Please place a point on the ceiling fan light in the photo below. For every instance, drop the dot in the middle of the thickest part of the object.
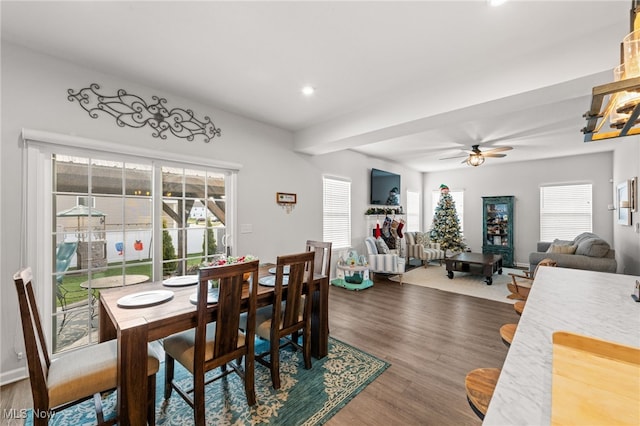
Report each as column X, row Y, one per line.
column 475, row 160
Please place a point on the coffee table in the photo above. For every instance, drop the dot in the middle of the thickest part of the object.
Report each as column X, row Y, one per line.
column 475, row 263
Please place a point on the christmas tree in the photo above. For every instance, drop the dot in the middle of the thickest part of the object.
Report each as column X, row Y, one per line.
column 446, row 226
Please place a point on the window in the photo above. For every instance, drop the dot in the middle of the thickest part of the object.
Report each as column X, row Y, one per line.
column 106, row 220
column 565, row 211
column 413, row 211
column 336, row 212
column 458, row 199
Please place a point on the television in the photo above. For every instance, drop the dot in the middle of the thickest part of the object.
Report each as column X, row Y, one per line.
column 385, row 188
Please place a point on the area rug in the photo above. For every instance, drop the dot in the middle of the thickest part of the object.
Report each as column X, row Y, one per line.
column 435, row 276
column 306, row 397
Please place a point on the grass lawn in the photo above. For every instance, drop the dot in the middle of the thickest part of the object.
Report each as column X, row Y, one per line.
column 71, row 283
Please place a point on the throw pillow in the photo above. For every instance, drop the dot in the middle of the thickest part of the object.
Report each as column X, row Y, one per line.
column 563, row 249
column 593, row 247
column 558, row 242
column 422, row 238
column 383, row 248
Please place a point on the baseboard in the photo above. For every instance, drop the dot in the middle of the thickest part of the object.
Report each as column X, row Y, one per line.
column 13, row 376
column 524, row 266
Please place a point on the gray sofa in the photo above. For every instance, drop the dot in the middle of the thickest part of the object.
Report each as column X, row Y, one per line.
column 586, row 251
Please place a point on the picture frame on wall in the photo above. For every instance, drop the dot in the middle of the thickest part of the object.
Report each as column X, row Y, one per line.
column 623, row 204
column 286, row 198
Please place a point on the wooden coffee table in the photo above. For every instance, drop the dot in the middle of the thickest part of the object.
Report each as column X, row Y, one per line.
column 475, row 263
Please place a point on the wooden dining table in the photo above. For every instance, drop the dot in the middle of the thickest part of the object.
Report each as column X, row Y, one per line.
column 135, row 327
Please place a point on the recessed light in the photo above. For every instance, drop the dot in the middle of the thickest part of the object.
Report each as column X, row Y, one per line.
column 308, row 90
column 496, row 2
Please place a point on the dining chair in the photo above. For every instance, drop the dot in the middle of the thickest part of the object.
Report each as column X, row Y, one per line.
column 292, row 311
column 216, row 344
column 73, row 377
column 322, row 258
column 520, row 285
column 320, row 323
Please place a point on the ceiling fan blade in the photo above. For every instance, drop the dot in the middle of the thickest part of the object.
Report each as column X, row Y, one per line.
column 492, row 155
column 498, row 149
column 456, row 156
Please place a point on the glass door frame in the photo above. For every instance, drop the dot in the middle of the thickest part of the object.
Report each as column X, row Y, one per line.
column 36, row 229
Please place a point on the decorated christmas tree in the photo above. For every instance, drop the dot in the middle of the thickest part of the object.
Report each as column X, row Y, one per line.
column 446, row 226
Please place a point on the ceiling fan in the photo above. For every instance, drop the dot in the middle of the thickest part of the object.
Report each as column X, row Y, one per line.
column 476, row 157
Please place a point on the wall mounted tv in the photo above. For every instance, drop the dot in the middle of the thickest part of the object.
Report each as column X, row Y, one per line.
column 385, row 188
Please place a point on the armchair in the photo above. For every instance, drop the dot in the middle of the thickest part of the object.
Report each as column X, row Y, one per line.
column 420, row 247
column 383, row 261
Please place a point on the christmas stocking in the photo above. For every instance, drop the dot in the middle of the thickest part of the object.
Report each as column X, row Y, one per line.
column 378, row 233
column 386, row 227
column 394, row 228
column 399, row 230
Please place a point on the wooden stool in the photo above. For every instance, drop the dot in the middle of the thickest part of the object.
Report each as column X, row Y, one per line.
column 519, row 307
column 507, row 332
column 480, row 384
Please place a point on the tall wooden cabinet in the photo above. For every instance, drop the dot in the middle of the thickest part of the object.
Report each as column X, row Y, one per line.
column 497, row 227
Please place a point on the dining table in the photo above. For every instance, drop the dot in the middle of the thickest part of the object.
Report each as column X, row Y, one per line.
column 134, row 327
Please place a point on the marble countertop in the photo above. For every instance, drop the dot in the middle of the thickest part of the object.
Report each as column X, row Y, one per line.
column 594, row 304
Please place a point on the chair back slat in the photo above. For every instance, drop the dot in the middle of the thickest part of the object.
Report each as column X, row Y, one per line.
column 322, row 260
column 230, row 306
column 34, row 340
column 301, row 269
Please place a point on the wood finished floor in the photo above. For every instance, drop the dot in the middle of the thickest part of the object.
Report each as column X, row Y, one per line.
column 431, row 339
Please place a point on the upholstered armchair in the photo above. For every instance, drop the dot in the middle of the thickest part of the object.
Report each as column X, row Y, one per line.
column 382, row 260
column 420, row 247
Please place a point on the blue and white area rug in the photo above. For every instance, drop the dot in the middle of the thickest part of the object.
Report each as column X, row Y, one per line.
column 306, row 397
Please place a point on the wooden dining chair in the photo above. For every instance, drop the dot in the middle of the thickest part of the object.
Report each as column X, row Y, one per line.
column 216, row 344
column 73, row 377
column 292, row 311
column 320, row 323
column 520, row 285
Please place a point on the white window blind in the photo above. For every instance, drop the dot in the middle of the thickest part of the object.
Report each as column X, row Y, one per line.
column 458, row 199
column 336, row 212
column 565, row 211
column 413, row 211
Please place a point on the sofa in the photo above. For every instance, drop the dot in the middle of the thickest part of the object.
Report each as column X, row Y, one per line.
column 419, row 246
column 586, row 251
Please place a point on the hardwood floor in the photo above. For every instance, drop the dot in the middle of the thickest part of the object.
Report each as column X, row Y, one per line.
column 431, row 338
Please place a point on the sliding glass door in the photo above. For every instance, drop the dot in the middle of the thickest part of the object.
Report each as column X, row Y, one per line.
column 122, row 223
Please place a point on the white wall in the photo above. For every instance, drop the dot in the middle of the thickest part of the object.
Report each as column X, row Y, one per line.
column 34, row 96
column 523, row 180
column 626, row 160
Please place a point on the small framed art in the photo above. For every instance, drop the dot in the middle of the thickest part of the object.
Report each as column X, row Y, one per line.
column 286, row 198
column 624, row 210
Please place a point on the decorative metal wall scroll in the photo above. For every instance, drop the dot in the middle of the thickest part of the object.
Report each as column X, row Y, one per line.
column 133, row 111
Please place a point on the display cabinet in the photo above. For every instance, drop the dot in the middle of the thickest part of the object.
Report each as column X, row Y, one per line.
column 497, row 227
